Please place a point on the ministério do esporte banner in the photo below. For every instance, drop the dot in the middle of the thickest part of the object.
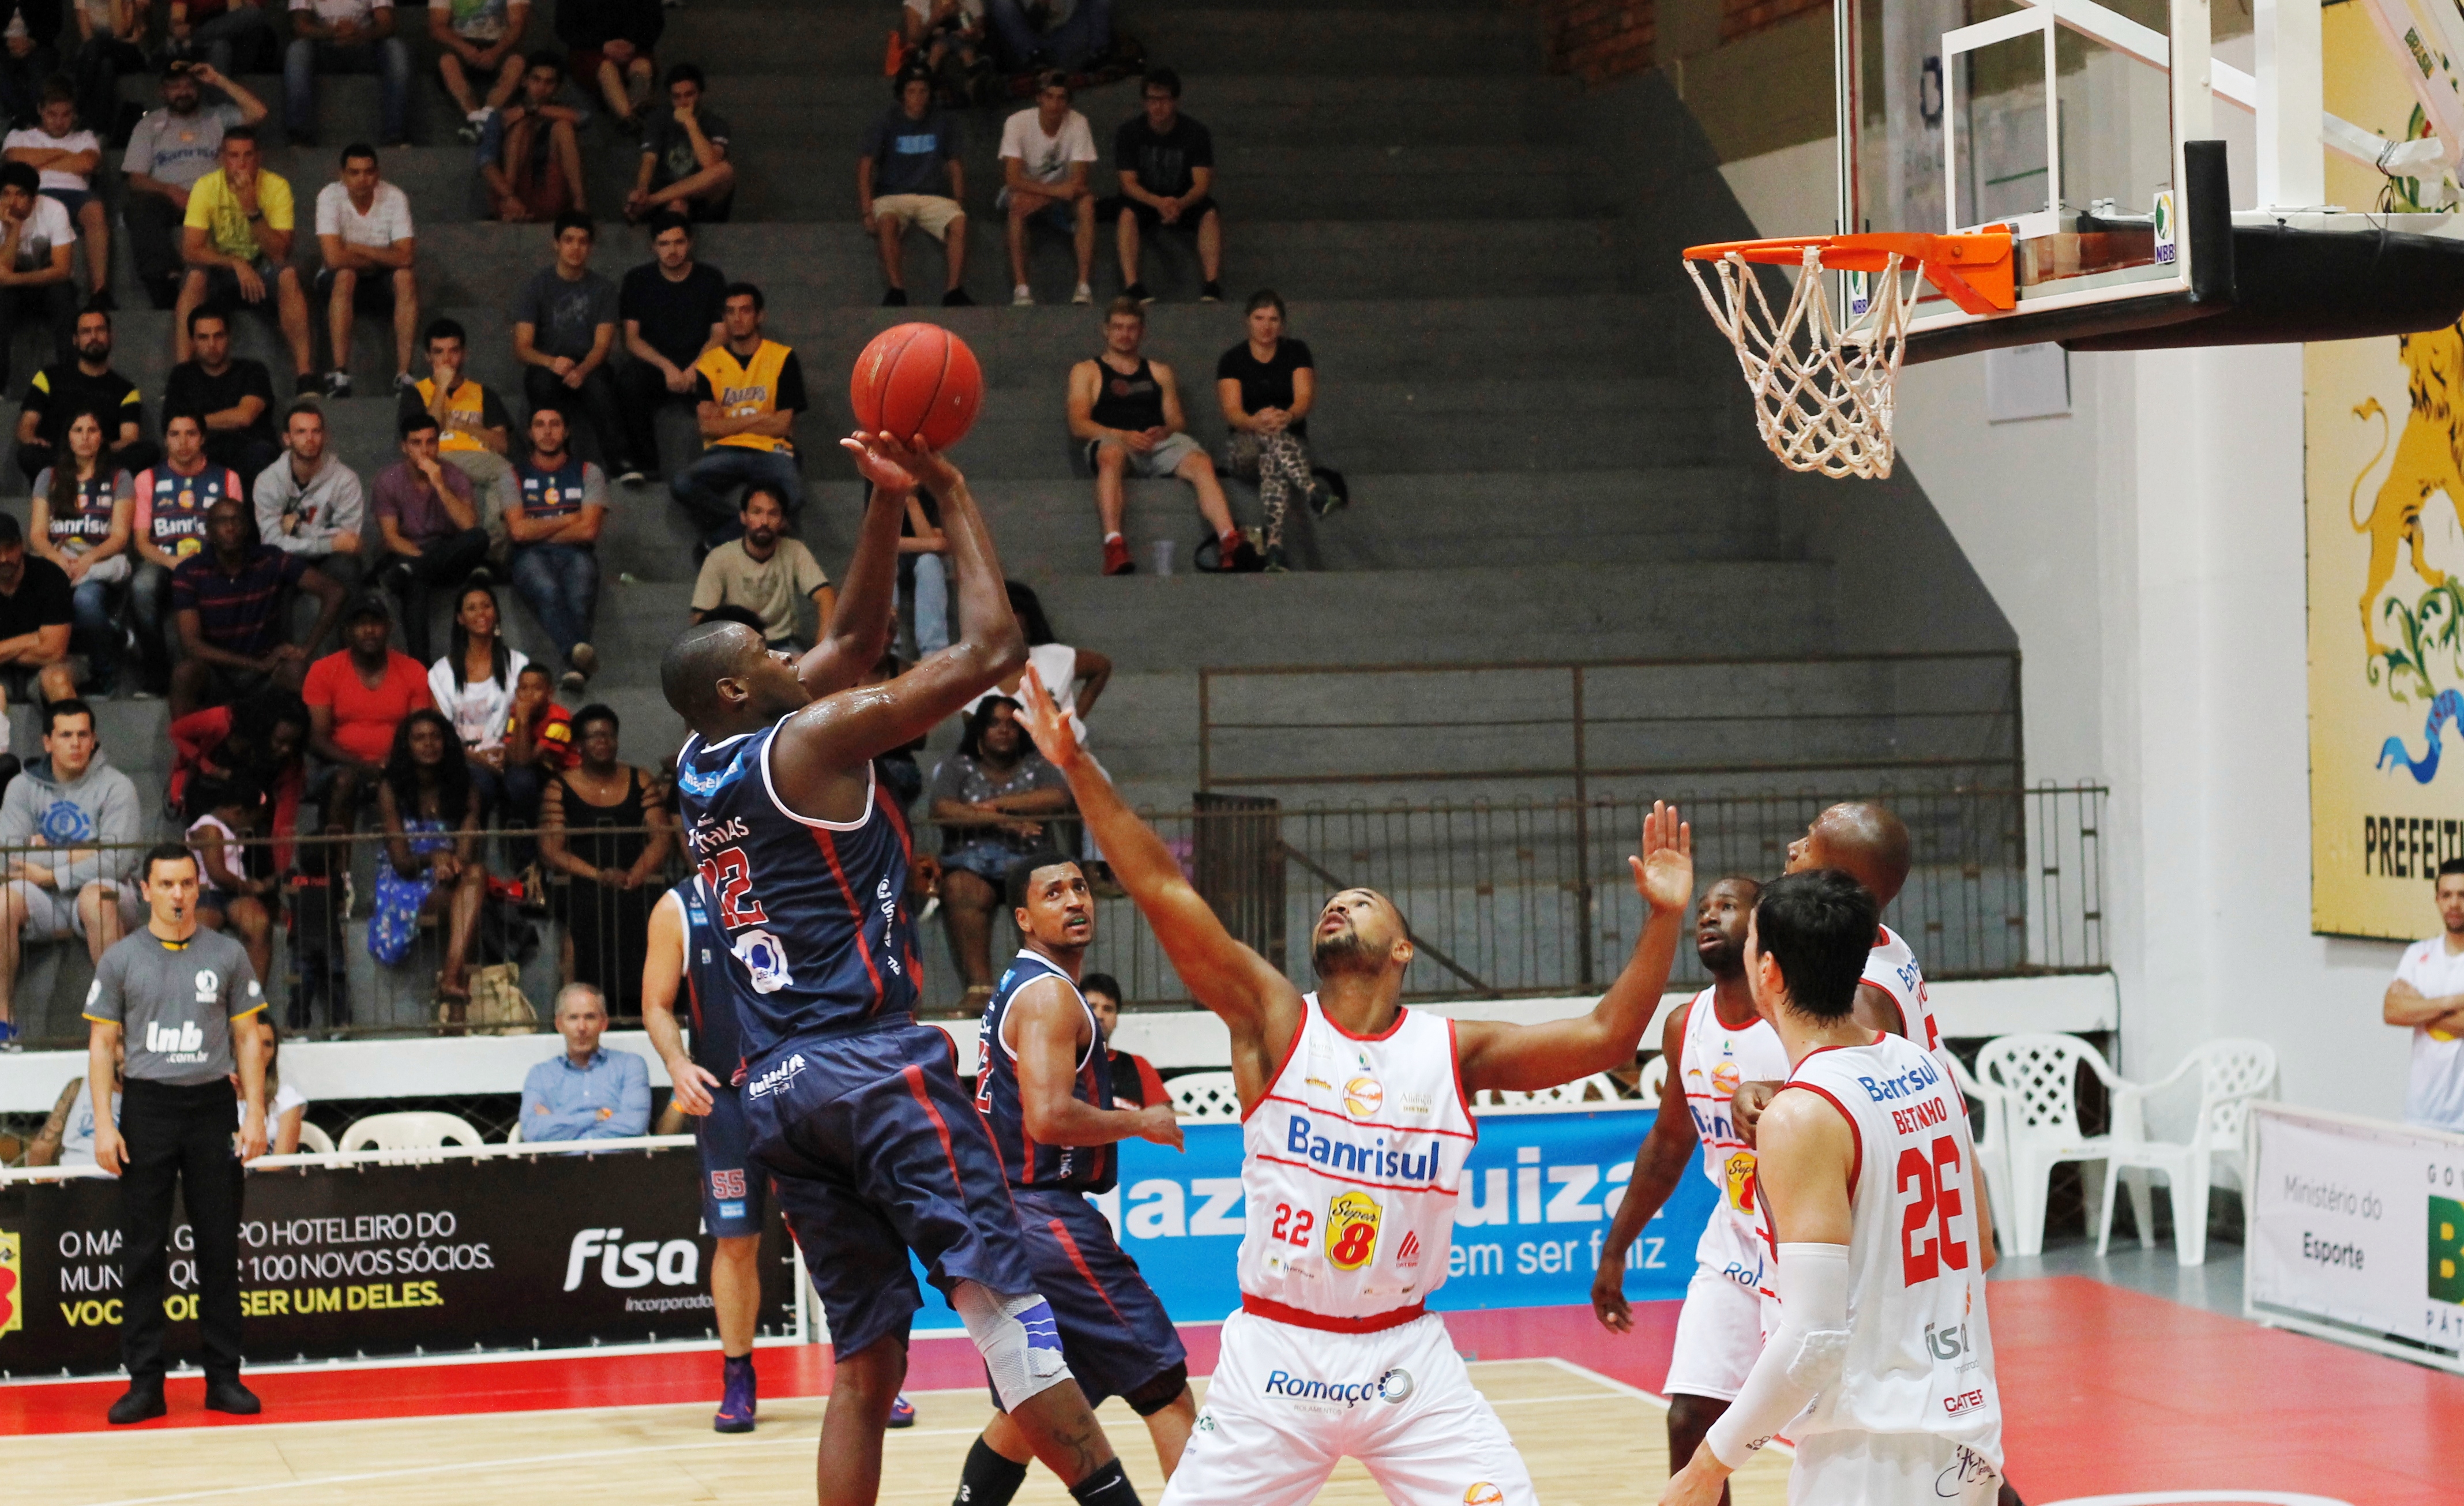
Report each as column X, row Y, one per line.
column 554, row 1251
column 1538, row 1193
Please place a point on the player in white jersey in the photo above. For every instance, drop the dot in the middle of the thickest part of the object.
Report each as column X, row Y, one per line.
column 1881, row 1367
column 1355, row 1125
column 1713, row 1044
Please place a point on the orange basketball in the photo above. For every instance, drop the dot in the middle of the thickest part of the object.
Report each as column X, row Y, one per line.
column 918, row 379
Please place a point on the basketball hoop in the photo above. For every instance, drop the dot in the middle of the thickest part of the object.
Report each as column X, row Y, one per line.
column 1823, row 390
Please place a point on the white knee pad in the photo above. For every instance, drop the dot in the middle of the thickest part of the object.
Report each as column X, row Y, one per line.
column 1020, row 1342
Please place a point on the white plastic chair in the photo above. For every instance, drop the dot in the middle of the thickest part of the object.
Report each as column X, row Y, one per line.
column 1205, row 1098
column 409, row 1131
column 2037, row 1078
column 2232, row 1074
column 312, row 1139
column 1567, row 1094
column 514, row 1135
column 1992, row 1161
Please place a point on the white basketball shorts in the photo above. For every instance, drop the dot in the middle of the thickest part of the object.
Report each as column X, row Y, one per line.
column 1719, row 1336
column 1286, row 1402
column 1889, row 1468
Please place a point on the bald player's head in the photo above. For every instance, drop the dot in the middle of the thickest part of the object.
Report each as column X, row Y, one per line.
column 723, row 680
column 1861, row 839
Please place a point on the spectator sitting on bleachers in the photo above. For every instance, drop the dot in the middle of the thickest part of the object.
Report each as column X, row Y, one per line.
column 565, row 334
column 950, row 35
column 36, row 282
column 345, row 37
column 674, row 310
column 1134, row 1080
column 924, row 553
column 430, row 518
column 111, row 41
column 309, row 504
column 990, row 799
column 286, row 1107
column 71, row 800
column 64, row 155
column 370, row 248
column 262, row 739
column 602, row 824
column 213, row 28
column 898, row 182
column 475, row 430
column 70, row 387
column 83, row 514
column 747, row 391
column 613, row 44
column 473, row 684
column 168, row 151
column 429, row 810
column 1167, row 166
column 530, row 152
column 1074, row 677
column 554, row 530
column 590, row 1092
column 67, row 1138
column 356, row 699
column 30, row 54
column 237, row 241
column 478, row 39
column 223, row 814
column 1031, row 38
column 232, row 601
column 538, row 742
column 1045, row 154
column 763, row 571
column 684, row 157
column 172, row 500
column 35, row 611
column 1266, row 386
column 234, row 395
column 1126, row 409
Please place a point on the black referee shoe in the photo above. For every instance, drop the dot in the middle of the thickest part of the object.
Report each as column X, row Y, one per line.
column 225, row 1394
column 144, row 1402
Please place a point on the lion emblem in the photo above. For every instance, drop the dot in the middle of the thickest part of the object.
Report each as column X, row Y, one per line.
column 2426, row 457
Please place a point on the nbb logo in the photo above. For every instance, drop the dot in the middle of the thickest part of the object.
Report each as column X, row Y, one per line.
column 12, row 1285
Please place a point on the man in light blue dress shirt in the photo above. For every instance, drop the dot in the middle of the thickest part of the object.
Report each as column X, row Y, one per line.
column 588, row 1093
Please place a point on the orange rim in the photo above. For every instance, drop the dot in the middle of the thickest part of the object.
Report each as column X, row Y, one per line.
column 1976, row 271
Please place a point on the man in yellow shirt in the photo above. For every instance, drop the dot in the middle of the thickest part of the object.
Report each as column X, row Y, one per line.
column 747, row 393
column 237, row 241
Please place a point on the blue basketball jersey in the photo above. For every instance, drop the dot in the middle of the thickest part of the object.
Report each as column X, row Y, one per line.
column 1086, row 1168
column 717, row 1029
column 814, row 913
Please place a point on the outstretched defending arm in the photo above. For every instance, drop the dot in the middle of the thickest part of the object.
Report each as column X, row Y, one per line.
column 858, row 631
column 832, row 740
column 1529, row 1057
column 1259, row 1003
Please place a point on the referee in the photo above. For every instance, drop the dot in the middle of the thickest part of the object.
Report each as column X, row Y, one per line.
column 185, row 999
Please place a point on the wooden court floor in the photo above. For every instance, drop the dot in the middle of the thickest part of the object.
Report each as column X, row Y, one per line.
column 1588, row 1440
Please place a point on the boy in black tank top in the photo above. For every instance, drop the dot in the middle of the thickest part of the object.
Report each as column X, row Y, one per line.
column 1126, row 409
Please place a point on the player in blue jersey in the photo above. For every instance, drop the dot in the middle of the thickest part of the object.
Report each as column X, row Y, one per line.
column 1044, row 1088
column 684, row 949
column 855, row 1109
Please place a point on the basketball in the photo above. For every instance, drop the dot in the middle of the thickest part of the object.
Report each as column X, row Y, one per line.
column 918, row 379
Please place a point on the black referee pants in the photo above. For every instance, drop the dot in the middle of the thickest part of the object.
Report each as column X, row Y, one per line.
column 179, row 1138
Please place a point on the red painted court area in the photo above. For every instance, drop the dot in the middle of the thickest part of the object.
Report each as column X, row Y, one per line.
column 2107, row 1391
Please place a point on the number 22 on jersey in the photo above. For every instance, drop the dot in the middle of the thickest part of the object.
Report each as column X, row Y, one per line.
column 730, row 878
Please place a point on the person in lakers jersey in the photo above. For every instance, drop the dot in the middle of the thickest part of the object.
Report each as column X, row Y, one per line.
column 853, row 1107
column 1355, row 1127
column 1881, row 1366
column 1045, row 1091
column 747, row 391
column 1713, row 1045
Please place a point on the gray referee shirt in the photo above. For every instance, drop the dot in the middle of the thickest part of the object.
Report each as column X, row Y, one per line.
column 174, row 1002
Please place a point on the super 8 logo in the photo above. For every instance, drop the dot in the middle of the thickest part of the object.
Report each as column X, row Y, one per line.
column 12, row 1285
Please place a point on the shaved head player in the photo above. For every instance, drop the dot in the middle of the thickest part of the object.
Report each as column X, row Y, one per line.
column 853, row 1108
column 1355, row 1130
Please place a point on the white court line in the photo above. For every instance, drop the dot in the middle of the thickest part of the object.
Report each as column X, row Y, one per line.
column 1661, row 1401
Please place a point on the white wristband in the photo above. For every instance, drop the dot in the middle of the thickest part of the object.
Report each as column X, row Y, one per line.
column 1796, row 1361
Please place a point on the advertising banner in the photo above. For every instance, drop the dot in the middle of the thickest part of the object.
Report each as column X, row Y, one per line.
column 2385, row 441
column 2357, row 1233
column 545, row 1251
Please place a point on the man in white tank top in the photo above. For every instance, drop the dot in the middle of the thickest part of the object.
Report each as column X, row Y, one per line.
column 1713, row 1044
column 1881, row 1368
column 1356, row 1125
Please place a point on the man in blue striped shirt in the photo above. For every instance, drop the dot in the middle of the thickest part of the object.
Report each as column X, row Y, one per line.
column 232, row 604
column 589, row 1092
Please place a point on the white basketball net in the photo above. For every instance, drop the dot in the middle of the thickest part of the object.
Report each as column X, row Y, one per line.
column 1822, row 391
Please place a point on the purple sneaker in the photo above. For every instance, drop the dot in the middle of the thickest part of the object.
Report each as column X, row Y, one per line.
column 902, row 1414
column 736, row 1404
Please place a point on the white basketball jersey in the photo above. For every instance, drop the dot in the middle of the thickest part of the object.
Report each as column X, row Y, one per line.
column 1919, row 1354
column 1713, row 1061
column 1350, row 1168
column 1892, row 968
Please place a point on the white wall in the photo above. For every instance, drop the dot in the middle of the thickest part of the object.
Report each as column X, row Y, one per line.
column 2148, row 550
